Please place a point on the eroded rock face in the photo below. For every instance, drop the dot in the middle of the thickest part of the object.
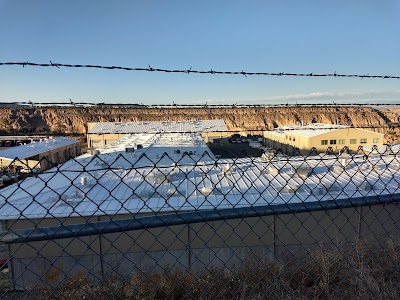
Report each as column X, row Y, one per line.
column 74, row 120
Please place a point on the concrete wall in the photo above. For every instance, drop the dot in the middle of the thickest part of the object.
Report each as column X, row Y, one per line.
column 194, row 246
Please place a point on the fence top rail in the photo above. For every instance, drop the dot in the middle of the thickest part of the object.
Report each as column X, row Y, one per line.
column 184, row 218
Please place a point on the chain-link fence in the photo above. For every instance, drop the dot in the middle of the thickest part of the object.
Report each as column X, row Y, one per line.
column 196, row 221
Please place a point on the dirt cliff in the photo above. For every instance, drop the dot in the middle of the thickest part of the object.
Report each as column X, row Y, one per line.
column 75, row 119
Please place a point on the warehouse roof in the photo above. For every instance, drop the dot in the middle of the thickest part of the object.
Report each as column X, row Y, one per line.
column 177, row 172
column 35, row 148
column 309, row 130
column 146, row 127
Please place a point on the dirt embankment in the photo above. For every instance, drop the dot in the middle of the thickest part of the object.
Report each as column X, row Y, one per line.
column 74, row 120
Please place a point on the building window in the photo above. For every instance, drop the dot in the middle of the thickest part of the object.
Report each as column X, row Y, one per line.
column 290, row 138
column 376, row 140
column 342, row 142
column 353, row 141
column 294, row 139
column 332, row 142
column 324, row 142
column 363, row 141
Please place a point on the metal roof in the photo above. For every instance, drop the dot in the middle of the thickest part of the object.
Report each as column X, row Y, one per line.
column 35, row 148
column 309, row 130
column 146, row 127
column 157, row 178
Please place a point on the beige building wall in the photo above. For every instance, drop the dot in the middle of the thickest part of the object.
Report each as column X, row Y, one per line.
column 352, row 138
column 46, row 158
column 24, row 163
column 100, row 140
column 90, row 125
column 209, row 137
column 283, row 143
column 59, row 155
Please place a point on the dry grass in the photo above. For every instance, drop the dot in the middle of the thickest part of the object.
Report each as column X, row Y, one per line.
column 362, row 271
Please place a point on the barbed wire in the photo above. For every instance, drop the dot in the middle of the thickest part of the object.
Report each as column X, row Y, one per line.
column 177, row 105
column 292, row 127
column 193, row 71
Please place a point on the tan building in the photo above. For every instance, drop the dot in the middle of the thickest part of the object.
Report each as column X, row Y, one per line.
column 290, row 139
column 41, row 155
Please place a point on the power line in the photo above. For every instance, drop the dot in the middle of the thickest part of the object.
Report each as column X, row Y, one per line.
column 192, row 71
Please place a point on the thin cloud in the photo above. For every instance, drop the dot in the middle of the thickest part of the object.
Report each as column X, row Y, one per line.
column 314, row 97
column 340, row 97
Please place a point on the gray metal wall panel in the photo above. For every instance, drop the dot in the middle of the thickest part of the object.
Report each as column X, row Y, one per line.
column 195, row 246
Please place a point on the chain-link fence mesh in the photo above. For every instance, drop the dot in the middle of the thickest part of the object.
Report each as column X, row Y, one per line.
column 202, row 222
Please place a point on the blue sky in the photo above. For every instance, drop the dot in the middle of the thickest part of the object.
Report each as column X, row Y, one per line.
column 356, row 37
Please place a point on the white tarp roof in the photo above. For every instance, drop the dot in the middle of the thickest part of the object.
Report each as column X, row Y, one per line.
column 35, row 148
column 147, row 127
column 156, row 178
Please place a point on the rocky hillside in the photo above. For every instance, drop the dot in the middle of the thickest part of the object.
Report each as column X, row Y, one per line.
column 74, row 120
